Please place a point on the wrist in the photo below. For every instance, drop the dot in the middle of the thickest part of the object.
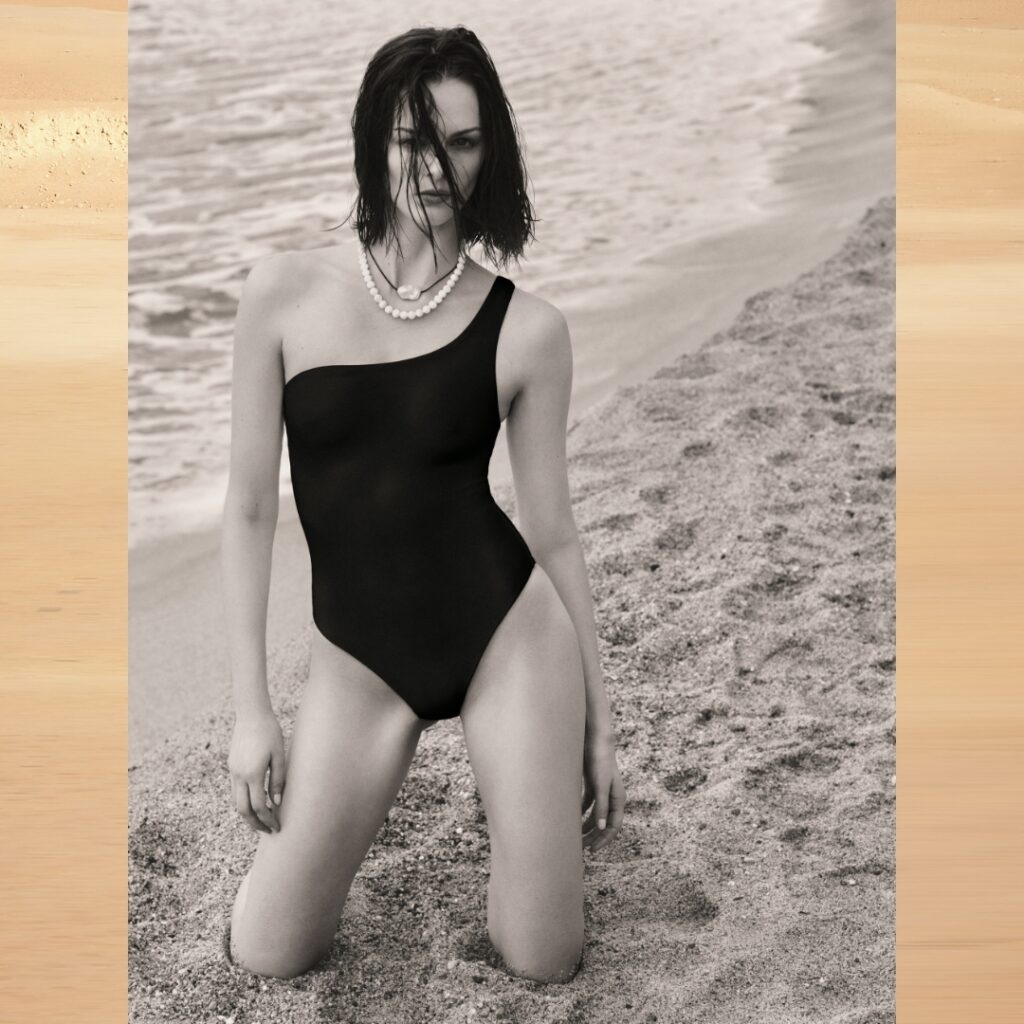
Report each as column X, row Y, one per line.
column 598, row 730
column 253, row 712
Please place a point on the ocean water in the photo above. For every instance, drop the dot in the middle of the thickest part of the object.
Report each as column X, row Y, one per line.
column 643, row 126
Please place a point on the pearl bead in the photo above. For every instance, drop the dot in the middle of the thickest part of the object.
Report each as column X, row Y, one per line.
column 409, row 314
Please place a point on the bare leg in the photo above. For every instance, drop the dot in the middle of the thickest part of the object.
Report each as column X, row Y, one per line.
column 524, row 719
column 350, row 750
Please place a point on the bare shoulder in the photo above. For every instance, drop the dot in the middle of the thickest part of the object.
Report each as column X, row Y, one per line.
column 276, row 281
column 269, row 288
column 538, row 335
column 284, row 273
column 270, row 281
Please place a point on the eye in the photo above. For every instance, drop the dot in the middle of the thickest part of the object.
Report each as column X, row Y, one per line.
column 469, row 143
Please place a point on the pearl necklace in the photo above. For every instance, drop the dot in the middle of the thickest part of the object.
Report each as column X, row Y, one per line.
column 409, row 314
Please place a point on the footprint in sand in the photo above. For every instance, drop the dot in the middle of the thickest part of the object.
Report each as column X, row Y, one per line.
column 686, row 780
column 856, row 598
column 697, row 449
column 844, row 418
column 748, row 601
column 656, row 495
column 615, row 564
column 761, row 416
column 788, row 766
column 658, row 893
column 678, row 536
column 616, row 521
column 691, row 366
column 663, row 412
column 795, row 834
column 826, row 392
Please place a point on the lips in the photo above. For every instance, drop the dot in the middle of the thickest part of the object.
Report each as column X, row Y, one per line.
column 433, row 194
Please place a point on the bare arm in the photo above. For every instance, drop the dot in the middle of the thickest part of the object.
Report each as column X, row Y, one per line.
column 537, row 441
column 251, row 503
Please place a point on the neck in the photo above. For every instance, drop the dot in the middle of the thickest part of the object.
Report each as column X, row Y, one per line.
column 415, row 265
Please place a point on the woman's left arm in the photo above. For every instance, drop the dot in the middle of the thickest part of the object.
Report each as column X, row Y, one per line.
column 537, row 426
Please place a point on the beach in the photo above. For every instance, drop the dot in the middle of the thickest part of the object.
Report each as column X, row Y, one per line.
column 736, row 510
column 733, row 479
column 732, row 469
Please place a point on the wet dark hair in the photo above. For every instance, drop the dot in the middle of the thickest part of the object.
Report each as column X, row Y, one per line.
column 498, row 213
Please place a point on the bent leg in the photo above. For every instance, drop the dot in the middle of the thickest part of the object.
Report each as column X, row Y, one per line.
column 350, row 751
column 523, row 720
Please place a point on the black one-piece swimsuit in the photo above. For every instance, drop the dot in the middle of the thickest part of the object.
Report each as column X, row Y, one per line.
column 414, row 564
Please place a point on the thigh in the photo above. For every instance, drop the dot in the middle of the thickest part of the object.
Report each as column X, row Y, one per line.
column 523, row 720
column 349, row 753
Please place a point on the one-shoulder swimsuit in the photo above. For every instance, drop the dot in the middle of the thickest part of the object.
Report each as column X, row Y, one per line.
column 414, row 565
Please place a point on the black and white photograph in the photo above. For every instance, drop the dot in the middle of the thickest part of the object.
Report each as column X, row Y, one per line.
column 511, row 512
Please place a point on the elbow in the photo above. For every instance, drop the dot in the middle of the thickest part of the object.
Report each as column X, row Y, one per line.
column 251, row 505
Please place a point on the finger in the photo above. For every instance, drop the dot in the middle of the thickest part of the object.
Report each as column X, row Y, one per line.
column 258, row 800
column 588, row 825
column 616, row 803
column 590, row 830
column 588, row 796
column 244, row 807
column 601, row 805
column 267, row 803
column 616, row 811
column 277, row 775
column 604, row 838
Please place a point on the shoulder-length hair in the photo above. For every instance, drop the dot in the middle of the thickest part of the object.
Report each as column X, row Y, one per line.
column 498, row 213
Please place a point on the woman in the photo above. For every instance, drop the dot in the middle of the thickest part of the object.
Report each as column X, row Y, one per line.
column 427, row 602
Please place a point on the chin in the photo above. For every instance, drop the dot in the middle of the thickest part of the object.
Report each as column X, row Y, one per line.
column 436, row 217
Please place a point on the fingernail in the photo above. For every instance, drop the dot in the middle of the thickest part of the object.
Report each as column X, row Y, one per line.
column 600, row 823
column 277, row 798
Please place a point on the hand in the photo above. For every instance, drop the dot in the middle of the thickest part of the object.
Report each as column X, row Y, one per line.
column 257, row 744
column 603, row 787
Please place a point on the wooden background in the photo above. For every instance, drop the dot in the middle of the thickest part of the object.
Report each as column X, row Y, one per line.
column 960, row 532
column 960, row 544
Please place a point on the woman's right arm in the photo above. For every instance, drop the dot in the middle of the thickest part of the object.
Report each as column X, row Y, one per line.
column 248, row 525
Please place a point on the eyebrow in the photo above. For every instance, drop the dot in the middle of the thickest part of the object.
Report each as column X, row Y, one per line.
column 454, row 135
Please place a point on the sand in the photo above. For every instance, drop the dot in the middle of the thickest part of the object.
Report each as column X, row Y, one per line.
column 737, row 514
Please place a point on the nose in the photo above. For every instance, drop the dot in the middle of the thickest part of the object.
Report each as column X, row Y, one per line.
column 432, row 165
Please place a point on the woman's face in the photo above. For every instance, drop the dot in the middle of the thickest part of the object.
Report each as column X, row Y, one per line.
column 458, row 113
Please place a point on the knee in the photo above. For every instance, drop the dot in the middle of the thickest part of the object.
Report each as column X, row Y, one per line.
column 552, row 966
column 552, row 956
column 289, row 952
column 272, row 963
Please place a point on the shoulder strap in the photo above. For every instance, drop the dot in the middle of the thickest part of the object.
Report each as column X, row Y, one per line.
column 494, row 314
